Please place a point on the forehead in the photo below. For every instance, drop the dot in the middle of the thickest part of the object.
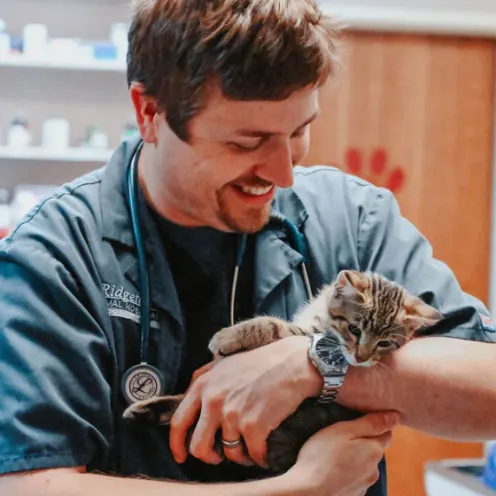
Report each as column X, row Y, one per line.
column 222, row 115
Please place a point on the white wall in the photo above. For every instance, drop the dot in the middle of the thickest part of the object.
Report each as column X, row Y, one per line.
column 457, row 17
column 481, row 6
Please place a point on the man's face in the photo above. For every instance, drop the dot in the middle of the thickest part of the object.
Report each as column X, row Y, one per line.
column 238, row 153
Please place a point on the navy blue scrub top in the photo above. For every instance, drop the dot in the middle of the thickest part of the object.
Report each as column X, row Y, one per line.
column 70, row 303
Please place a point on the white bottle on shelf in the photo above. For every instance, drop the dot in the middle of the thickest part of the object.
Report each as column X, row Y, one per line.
column 35, row 40
column 56, row 134
column 5, row 213
column 19, row 135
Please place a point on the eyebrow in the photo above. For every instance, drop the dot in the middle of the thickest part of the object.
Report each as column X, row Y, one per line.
column 267, row 134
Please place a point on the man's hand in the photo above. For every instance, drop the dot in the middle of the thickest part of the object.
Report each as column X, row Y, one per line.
column 342, row 460
column 246, row 396
column 338, row 461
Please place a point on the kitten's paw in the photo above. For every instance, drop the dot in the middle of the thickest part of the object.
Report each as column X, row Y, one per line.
column 251, row 334
column 158, row 410
column 224, row 342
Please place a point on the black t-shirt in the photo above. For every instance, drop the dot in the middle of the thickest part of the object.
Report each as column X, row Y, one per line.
column 202, row 262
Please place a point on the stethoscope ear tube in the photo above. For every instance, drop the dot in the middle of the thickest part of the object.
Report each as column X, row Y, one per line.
column 143, row 381
column 140, row 250
column 297, row 242
column 241, row 242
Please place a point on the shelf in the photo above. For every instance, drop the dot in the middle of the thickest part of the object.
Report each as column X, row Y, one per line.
column 83, row 155
column 94, row 66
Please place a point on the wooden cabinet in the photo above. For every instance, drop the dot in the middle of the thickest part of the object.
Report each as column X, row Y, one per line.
column 415, row 114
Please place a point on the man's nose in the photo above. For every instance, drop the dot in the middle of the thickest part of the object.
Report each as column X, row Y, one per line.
column 277, row 166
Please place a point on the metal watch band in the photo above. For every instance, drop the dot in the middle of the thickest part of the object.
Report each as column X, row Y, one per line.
column 333, row 371
column 330, row 391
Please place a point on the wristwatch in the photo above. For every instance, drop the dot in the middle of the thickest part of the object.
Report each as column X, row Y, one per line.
column 325, row 353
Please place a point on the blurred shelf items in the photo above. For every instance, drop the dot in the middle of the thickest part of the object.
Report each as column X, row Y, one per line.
column 36, row 48
column 62, row 112
column 16, row 204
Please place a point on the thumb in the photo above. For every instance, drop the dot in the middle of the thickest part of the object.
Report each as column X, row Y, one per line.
column 372, row 424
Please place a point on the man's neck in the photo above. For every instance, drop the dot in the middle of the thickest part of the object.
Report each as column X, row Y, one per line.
column 170, row 214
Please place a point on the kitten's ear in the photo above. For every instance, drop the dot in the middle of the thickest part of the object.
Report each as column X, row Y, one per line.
column 351, row 283
column 419, row 314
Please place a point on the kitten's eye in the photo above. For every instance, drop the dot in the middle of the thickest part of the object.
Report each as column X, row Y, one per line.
column 384, row 344
column 353, row 329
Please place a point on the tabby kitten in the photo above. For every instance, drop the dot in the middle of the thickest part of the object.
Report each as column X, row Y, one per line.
column 369, row 316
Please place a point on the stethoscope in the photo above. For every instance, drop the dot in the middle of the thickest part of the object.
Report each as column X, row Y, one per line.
column 144, row 381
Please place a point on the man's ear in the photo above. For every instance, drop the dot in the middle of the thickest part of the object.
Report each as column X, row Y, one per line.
column 146, row 111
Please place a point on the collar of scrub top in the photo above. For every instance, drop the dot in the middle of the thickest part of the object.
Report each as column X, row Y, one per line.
column 297, row 242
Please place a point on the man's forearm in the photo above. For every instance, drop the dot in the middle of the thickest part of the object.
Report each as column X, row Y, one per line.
column 69, row 483
column 443, row 386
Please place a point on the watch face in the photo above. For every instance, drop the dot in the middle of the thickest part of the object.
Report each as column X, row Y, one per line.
column 328, row 349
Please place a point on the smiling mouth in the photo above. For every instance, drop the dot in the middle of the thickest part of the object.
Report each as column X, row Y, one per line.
column 255, row 191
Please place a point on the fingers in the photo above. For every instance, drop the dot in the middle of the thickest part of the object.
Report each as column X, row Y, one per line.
column 372, row 479
column 256, row 444
column 371, row 425
column 202, row 445
column 185, row 416
column 385, row 439
column 237, row 453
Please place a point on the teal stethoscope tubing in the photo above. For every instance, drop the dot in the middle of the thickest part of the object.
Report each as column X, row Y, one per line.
column 295, row 237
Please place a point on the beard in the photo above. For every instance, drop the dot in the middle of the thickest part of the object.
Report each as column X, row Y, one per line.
column 248, row 222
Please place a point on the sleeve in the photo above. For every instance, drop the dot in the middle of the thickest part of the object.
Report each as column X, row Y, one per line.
column 55, row 399
column 390, row 245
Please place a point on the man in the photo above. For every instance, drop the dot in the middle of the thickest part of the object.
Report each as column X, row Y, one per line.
column 224, row 93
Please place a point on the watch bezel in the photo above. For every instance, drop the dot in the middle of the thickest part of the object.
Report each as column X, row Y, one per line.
column 334, row 366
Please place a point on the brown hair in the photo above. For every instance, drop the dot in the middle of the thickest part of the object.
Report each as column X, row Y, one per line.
column 254, row 49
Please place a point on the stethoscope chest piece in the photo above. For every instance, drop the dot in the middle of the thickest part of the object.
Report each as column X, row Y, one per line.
column 142, row 382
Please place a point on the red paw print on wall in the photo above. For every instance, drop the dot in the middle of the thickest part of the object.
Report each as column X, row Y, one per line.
column 376, row 169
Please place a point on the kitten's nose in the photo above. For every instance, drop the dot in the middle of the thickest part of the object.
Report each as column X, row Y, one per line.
column 360, row 359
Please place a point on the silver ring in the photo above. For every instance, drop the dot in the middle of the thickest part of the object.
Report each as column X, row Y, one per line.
column 231, row 444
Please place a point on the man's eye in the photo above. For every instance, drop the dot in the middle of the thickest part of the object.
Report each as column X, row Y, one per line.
column 301, row 132
column 246, row 146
